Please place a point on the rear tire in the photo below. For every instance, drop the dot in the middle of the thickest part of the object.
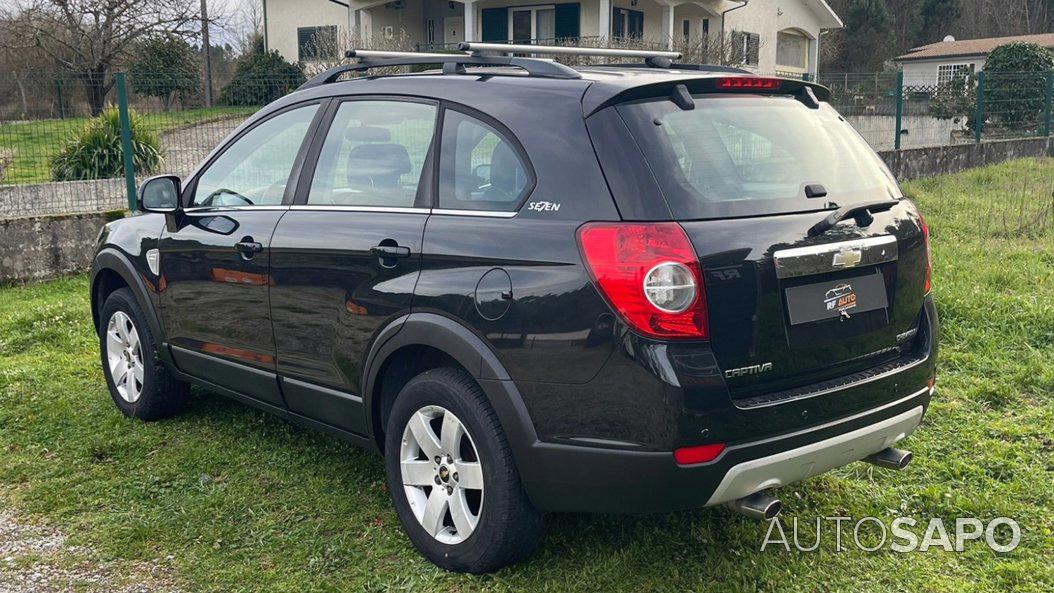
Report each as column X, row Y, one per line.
column 478, row 521
column 139, row 383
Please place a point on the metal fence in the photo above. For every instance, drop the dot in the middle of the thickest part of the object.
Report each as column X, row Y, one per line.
column 56, row 157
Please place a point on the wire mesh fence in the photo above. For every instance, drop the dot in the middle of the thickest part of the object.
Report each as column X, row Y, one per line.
column 61, row 149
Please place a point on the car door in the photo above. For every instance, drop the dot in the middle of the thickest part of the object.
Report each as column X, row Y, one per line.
column 345, row 259
column 215, row 258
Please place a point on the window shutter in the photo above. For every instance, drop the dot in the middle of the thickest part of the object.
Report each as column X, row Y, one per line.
column 305, row 49
column 567, row 20
column 495, row 24
column 753, row 45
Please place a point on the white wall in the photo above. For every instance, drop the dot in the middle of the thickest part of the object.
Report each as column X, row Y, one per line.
column 924, row 72
column 767, row 17
column 285, row 16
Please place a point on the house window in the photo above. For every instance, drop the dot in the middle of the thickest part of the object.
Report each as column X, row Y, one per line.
column 947, row 72
column 627, row 23
column 430, row 31
column 745, row 47
column 686, row 30
column 792, row 50
column 316, row 43
column 706, row 29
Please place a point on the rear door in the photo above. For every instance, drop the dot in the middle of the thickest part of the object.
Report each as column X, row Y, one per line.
column 346, row 257
column 787, row 308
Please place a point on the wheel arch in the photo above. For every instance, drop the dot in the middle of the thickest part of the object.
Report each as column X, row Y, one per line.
column 440, row 341
column 113, row 270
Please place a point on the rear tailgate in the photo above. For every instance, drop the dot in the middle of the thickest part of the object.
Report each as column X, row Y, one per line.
column 788, row 310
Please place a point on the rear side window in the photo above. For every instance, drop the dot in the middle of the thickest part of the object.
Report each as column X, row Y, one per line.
column 479, row 168
column 753, row 155
column 373, row 155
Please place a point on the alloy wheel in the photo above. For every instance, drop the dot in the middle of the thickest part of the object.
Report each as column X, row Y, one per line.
column 441, row 474
column 124, row 356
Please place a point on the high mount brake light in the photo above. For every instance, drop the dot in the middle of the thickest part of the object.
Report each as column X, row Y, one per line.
column 928, row 284
column 649, row 274
column 747, row 83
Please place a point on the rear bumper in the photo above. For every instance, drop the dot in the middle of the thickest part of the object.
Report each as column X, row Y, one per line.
column 573, row 478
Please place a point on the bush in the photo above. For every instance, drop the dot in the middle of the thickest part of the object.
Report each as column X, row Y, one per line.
column 1016, row 81
column 165, row 66
column 261, row 77
column 95, row 152
column 6, row 158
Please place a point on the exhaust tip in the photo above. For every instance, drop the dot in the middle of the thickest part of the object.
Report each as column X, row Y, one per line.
column 757, row 506
column 890, row 458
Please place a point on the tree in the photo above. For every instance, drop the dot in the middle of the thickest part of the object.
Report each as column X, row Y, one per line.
column 164, row 66
column 1016, row 81
column 937, row 17
column 89, row 37
column 260, row 77
column 869, row 35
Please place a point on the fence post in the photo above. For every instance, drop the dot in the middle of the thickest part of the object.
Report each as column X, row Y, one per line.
column 1048, row 103
column 978, row 125
column 900, row 108
column 58, row 98
column 126, row 139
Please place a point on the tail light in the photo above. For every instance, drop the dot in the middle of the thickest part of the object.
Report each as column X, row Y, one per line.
column 748, row 83
column 649, row 274
column 929, row 256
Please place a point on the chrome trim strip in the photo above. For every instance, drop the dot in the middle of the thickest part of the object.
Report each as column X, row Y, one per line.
column 338, row 208
column 810, row 395
column 194, row 209
column 817, row 259
column 490, row 213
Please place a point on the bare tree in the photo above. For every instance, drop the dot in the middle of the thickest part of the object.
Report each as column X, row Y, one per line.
column 88, row 38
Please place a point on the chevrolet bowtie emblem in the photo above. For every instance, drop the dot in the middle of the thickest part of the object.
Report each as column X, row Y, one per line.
column 847, row 257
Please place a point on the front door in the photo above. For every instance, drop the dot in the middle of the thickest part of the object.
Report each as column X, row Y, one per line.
column 215, row 259
column 453, row 29
column 345, row 259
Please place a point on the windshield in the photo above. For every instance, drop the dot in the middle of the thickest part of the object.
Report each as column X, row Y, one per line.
column 752, row 155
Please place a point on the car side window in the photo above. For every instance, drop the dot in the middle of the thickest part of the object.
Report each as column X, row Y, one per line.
column 373, row 154
column 478, row 168
column 254, row 170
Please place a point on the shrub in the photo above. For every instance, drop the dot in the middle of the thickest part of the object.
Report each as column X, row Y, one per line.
column 6, row 158
column 164, row 66
column 261, row 77
column 95, row 152
column 1015, row 82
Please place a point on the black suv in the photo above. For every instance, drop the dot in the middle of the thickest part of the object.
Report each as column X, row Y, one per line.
column 626, row 288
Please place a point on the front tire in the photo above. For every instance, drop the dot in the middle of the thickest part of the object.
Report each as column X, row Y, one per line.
column 452, row 477
column 139, row 383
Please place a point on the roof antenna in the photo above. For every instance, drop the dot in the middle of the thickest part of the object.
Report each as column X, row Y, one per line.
column 682, row 98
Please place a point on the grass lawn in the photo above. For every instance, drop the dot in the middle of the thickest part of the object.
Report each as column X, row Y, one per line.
column 243, row 501
column 33, row 143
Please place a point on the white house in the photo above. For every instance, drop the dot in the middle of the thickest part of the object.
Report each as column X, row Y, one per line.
column 938, row 63
column 776, row 35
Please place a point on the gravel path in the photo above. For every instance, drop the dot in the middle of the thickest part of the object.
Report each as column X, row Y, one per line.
column 36, row 559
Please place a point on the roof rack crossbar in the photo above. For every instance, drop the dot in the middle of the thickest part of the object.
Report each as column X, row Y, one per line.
column 379, row 59
column 505, row 48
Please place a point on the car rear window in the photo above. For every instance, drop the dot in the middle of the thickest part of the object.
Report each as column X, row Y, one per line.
column 754, row 155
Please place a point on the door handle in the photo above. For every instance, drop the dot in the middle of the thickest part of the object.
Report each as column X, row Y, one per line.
column 248, row 248
column 390, row 251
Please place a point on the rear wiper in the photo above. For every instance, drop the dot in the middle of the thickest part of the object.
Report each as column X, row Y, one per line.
column 861, row 212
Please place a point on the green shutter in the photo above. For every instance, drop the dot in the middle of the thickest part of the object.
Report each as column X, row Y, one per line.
column 567, row 20
column 495, row 24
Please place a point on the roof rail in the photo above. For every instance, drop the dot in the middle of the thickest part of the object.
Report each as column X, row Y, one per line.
column 505, row 48
column 677, row 66
column 452, row 64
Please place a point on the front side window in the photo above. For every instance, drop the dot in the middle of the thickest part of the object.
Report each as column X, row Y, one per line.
column 479, row 168
column 254, row 170
column 373, row 155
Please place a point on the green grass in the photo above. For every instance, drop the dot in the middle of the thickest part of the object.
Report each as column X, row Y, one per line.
column 246, row 502
column 33, row 143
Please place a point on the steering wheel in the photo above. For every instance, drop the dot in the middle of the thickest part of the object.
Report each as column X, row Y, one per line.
column 223, row 191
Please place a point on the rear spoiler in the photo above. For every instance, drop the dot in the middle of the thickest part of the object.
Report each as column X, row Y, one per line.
column 727, row 83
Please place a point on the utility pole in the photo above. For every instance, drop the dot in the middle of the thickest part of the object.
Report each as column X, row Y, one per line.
column 207, row 58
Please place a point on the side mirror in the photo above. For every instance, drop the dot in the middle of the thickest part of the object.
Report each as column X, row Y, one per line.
column 160, row 194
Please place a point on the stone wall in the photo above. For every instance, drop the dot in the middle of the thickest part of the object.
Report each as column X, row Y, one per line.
column 44, row 247
column 939, row 160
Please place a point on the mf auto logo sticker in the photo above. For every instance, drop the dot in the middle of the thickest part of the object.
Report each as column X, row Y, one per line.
column 840, row 298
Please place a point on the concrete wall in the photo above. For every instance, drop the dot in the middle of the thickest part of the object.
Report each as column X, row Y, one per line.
column 48, row 246
column 938, row 160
